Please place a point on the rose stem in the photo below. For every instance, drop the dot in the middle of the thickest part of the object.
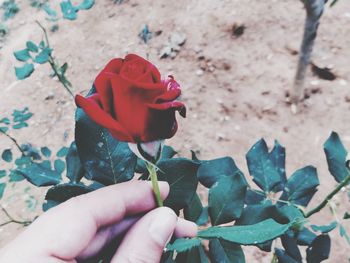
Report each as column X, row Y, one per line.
column 153, row 174
column 343, row 183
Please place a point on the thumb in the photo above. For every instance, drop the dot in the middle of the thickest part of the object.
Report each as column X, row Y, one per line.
column 146, row 240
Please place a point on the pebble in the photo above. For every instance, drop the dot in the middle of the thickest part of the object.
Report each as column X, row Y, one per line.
column 199, row 72
column 343, row 82
column 314, row 82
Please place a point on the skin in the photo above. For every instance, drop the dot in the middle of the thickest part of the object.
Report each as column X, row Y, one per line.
column 80, row 227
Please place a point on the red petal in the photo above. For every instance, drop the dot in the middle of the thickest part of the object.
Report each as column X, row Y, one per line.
column 168, row 96
column 92, row 108
column 176, row 105
column 114, row 65
column 104, row 90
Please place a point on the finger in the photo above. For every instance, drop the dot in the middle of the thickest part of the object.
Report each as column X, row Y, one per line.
column 83, row 215
column 105, row 236
column 146, row 240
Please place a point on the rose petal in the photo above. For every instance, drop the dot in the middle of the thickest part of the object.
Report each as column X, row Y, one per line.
column 114, row 66
column 92, row 108
column 168, row 96
column 104, row 89
column 150, row 75
column 176, row 105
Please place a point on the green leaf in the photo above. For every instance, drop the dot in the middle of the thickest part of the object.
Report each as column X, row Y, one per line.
column 59, row 166
column 283, row 256
column 22, row 55
column 23, row 160
column 301, row 186
column 346, row 215
column 86, row 4
column 25, row 71
column 21, row 116
column 222, row 251
column 336, row 157
column 15, row 176
column 319, row 249
column 68, row 10
column 10, row 9
column 2, row 173
column 20, row 125
column 2, row 189
column 43, row 56
column 45, row 151
column 7, row 155
column 39, row 175
column 211, row 171
column 105, row 159
column 4, row 129
column 324, row 229
column 62, row 192
column 183, row 244
column 32, row 46
column 5, row 121
column 226, row 199
column 62, row 152
column 180, row 173
column 203, row 219
column 247, row 235
column 75, row 171
column 305, row 237
column 267, row 169
column 195, row 255
column 290, row 245
column 52, row 13
column 343, row 233
column 194, row 209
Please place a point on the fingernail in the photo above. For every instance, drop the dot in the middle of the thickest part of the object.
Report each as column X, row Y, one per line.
column 162, row 225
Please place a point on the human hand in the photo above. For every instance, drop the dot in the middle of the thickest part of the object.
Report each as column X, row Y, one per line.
column 81, row 227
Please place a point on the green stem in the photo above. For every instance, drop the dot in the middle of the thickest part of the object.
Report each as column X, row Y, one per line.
column 13, row 140
column 12, row 220
column 343, row 183
column 53, row 64
column 153, row 174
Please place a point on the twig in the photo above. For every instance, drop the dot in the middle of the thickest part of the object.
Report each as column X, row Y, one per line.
column 12, row 220
column 53, row 63
column 343, row 183
column 13, row 140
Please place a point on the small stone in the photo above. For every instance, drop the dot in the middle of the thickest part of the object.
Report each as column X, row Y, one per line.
column 199, row 72
column 347, row 98
column 314, row 82
column 343, row 82
column 197, row 49
column 178, row 38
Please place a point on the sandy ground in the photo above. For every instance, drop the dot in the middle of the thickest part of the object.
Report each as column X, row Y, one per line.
column 234, row 88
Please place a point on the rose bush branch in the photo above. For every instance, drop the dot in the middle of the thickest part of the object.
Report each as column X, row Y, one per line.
column 13, row 140
column 12, row 220
column 57, row 69
column 329, row 197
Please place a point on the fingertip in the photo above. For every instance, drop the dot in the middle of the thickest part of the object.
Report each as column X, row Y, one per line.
column 185, row 228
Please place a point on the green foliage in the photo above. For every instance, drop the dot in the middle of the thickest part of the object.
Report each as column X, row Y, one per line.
column 226, row 199
column 25, row 71
column 70, row 11
column 104, row 159
column 211, row 171
column 319, row 249
column 247, row 235
column 184, row 244
column 2, row 189
column 336, row 157
column 38, row 3
column 45, row 151
column 40, row 175
column 22, row 55
column 10, row 9
column 267, row 168
column 222, row 251
column 301, row 186
column 196, row 254
column 7, row 155
column 324, row 229
column 180, row 173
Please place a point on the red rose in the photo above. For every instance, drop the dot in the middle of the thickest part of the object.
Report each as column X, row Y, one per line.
column 132, row 101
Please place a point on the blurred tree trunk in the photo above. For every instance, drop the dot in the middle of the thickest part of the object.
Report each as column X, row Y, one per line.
column 314, row 10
